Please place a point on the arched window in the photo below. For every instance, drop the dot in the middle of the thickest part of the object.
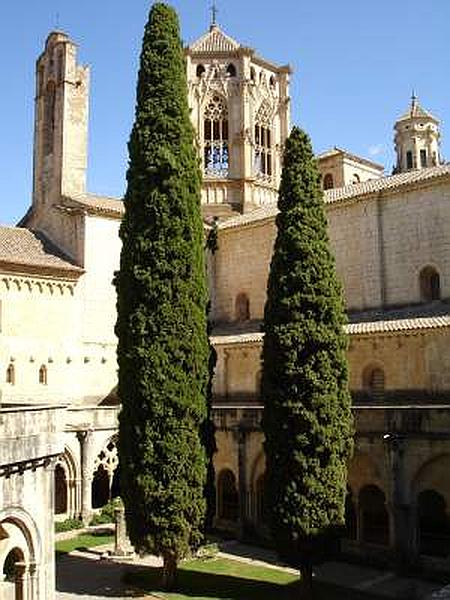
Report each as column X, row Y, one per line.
column 430, row 284
column 43, row 375
column 200, row 70
column 433, row 524
column 328, row 182
column 252, row 74
column 374, row 515
column 263, row 141
column 215, row 138
column 9, row 566
column 105, row 484
column 242, row 308
column 228, row 496
column 231, row 70
column 49, row 117
column 100, row 487
column 356, row 178
column 409, row 160
column 374, row 382
column 60, row 490
column 272, row 81
column 11, row 374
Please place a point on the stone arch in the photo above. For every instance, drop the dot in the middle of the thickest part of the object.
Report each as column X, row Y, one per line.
column 227, row 496
column 105, row 466
column 374, row 516
column 20, row 535
column 363, row 469
column 328, row 181
column 14, row 556
column 429, row 284
column 66, row 477
column 374, row 380
column 216, row 136
column 431, row 501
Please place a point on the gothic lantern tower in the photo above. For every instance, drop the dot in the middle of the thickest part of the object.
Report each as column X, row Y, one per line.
column 240, row 111
column 417, row 139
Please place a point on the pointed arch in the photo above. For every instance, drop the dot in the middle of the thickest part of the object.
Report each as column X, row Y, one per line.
column 216, row 161
column 263, row 141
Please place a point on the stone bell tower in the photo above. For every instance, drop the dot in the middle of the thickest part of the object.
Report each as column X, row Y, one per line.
column 61, row 123
column 240, row 109
column 417, row 139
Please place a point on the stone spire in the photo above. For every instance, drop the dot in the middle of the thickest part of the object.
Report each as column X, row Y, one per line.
column 417, row 138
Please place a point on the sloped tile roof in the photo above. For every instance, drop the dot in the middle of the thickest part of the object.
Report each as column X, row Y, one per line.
column 409, row 319
column 92, row 203
column 349, row 192
column 215, row 40
column 416, row 111
column 28, row 249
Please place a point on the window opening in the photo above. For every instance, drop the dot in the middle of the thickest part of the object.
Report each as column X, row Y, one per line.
column 231, row 70
column 49, row 117
column 43, row 375
column 423, row 158
column 263, row 141
column 228, row 496
column 242, row 308
column 430, row 284
column 200, row 70
column 215, row 135
column 328, row 182
column 10, row 374
column 409, row 160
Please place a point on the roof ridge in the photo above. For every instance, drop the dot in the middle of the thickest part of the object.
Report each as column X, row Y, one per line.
column 214, row 40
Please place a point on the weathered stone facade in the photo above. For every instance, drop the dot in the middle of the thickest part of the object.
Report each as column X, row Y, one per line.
column 388, row 234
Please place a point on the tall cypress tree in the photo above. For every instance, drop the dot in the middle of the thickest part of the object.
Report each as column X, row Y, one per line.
column 307, row 418
column 163, row 348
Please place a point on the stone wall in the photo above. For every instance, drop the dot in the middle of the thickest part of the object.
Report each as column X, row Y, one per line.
column 30, row 441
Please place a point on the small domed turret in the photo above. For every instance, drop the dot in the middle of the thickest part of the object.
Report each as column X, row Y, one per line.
column 417, row 139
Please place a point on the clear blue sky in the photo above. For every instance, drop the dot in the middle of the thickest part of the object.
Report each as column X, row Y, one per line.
column 355, row 63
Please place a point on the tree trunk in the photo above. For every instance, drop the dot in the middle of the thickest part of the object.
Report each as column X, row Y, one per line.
column 169, row 573
column 306, row 582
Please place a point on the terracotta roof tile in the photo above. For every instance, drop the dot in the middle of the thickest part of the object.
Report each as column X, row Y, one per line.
column 215, row 40
column 349, row 192
column 104, row 205
column 22, row 247
column 418, row 318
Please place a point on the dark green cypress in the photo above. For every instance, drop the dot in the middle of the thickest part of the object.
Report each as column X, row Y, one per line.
column 307, row 418
column 163, row 350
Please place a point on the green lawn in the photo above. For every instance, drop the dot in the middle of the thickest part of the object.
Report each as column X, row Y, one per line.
column 224, row 579
column 84, row 540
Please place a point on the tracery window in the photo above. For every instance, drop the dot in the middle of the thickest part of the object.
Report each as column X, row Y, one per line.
column 215, row 138
column 231, row 70
column 263, row 142
column 328, row 182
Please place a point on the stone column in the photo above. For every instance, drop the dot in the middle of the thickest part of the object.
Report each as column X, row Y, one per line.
column 401, row 510
column 122, row 546
column 33, row 581
column 243, row 495
column 85, row 439
column 20, row 581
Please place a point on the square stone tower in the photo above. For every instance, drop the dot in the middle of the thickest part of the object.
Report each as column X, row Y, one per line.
column 61, row 124
column 240, row 109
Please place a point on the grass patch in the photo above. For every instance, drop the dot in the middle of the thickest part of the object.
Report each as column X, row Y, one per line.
column 223, row 579
column 85, row 540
